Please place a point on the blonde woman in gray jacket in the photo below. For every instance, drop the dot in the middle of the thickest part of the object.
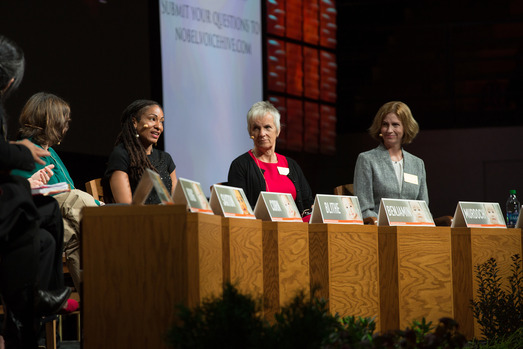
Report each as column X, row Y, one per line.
column 389, row 171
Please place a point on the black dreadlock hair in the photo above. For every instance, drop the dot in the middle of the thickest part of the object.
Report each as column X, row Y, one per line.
column 127, row 136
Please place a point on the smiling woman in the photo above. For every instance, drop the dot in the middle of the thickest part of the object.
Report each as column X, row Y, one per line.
column 389, row 171
column 142, row 125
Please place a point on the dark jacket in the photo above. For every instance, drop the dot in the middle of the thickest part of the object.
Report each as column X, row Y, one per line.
column 245, row 174
column 16, row 205
column 15, row 156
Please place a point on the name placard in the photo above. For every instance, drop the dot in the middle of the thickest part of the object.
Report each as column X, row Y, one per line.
column 478, row 215
column 395, row 212
column 190, row 193
column 336, row 209
column 276, row 207
column 230, row 202
column 151, row 179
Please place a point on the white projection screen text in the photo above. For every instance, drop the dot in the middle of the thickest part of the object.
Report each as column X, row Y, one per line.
column 211, row 55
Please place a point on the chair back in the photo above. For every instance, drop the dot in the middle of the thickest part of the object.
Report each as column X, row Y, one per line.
column 94, row 187
column 345, row 189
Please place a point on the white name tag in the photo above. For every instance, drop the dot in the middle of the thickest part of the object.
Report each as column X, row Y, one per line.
column 410, row 178
column 276, row 207
column 283, row 170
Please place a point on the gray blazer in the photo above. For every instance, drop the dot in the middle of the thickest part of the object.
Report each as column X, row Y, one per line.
column 374, row 179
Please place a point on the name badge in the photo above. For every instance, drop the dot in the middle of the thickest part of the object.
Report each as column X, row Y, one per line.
column 410, row 178
column 283, row 170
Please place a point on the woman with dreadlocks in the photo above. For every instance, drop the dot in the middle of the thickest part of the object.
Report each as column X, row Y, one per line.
column 142, row 125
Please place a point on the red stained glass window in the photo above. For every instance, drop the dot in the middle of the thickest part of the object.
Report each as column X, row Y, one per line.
column 280, row 104
column 294, row 69
column 312, row 127
column 301, row 72
column 328, row 76
column 294, row 19
column 311, row 22
column 328, row 129
column 276, row 65
column 294, row 124
column 312, row 73
column 276, row 17
column 328, row 23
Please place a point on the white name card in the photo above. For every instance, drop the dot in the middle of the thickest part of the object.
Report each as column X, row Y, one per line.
column 478, row 215
column 336, row 209
column 230, row 202
column 398, row 212
column 276, row 207
column 190, row 193
column 151, row 179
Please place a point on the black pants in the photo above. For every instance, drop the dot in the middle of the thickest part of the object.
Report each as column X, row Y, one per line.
column 52, row 223
column 31, row 258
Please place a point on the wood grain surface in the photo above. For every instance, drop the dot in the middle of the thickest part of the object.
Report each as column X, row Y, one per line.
column 344, row 264
column 140, row 262
column 243, row 254
column 497, row 243
column 130, row 259
column 204, row 249
column 424, row 274
column 471, row 247
column 285, row 263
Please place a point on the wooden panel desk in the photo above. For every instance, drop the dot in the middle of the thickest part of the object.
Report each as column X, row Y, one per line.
column 243, row 254
column 415, row 275
column 139, row 262
column 344, row 264
column 471, row 247
column 285, row 264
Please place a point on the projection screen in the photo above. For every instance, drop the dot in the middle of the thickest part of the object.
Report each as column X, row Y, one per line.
column 212, row 73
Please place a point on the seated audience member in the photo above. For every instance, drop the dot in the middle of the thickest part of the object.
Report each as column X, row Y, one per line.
column 262, row 169
column 389, row 171
column 44, row 121
column 142, row 125
column 31, row 278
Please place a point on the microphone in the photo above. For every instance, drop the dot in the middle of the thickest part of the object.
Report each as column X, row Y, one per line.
column 252, row 137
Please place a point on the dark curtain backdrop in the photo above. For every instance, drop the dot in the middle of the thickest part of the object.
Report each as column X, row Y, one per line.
column 458, row 65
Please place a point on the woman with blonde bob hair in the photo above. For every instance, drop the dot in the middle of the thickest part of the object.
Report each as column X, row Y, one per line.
column 402, row 111
column 389, row 171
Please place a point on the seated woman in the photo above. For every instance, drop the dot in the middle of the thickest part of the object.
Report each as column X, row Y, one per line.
column 389, row 171
column 262, row 169
column 142, row 125
column 31, row 278
column 44, row 121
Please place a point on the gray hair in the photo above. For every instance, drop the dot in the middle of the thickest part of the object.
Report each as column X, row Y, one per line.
column 259, row 110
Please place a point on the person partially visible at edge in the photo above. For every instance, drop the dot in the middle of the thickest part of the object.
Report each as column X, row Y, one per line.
column 134, row 152
column 31, row 277
column 389, row 171
column 44, row 121
column 262, row 169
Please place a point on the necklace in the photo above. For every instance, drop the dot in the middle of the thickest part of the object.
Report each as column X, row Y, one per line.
column 71, row 184
column 259, row 168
